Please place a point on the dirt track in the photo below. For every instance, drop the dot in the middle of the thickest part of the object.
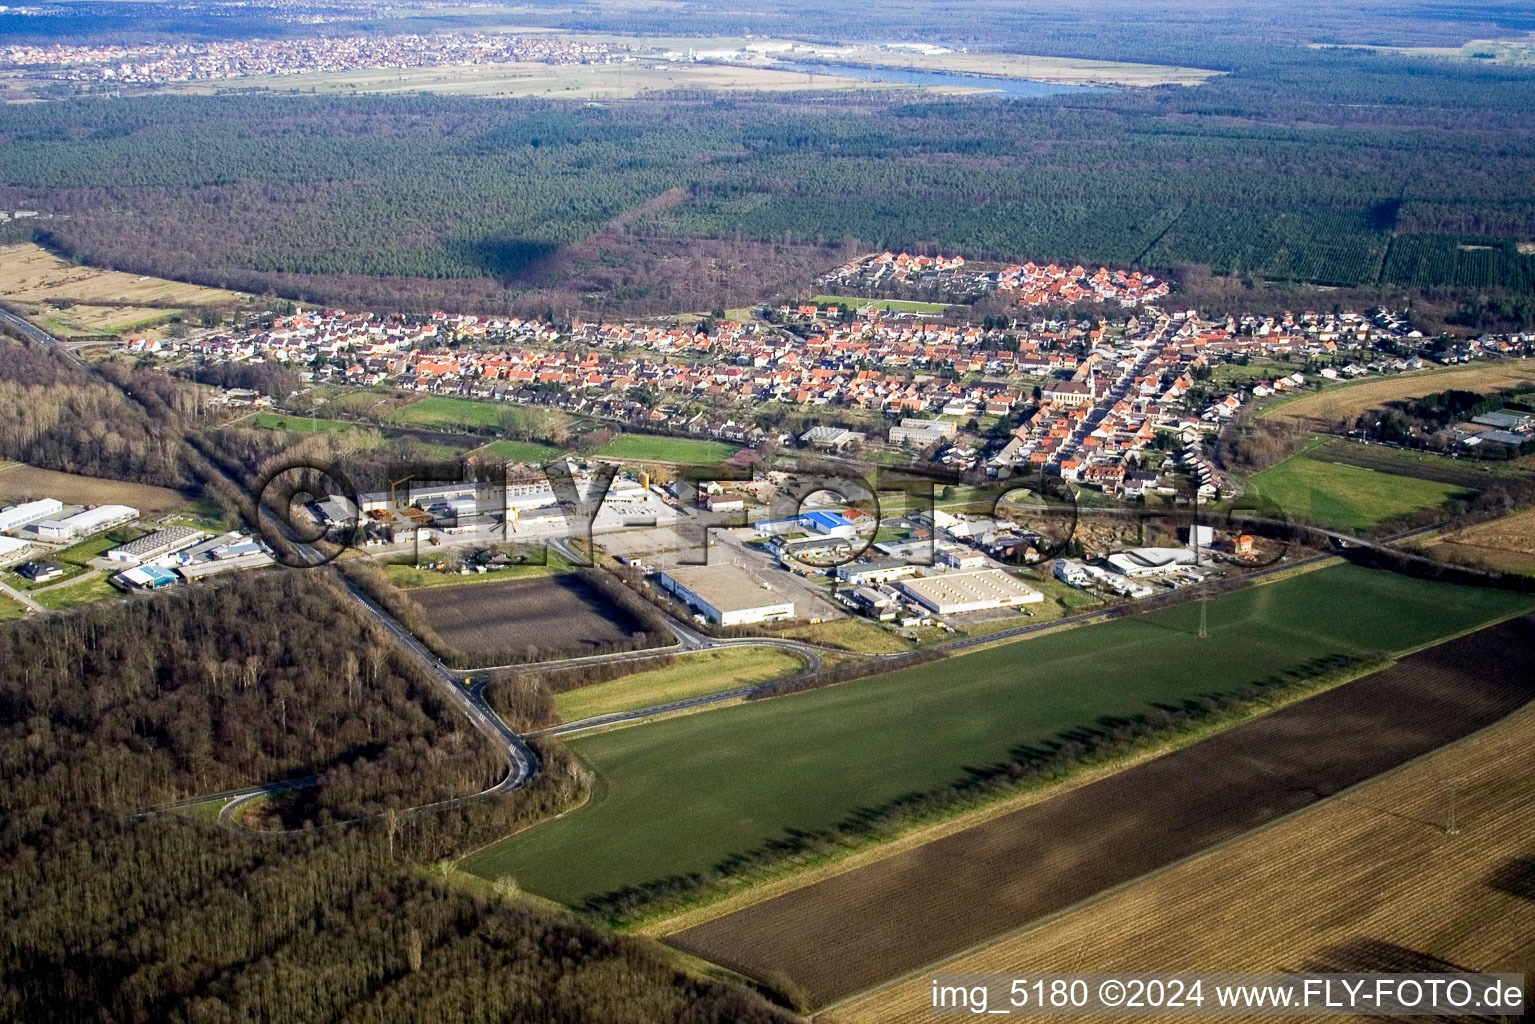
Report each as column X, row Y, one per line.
column 852, row 931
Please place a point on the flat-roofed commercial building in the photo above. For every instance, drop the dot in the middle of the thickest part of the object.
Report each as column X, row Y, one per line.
column 726, row 595
column 29, row 512
column 83, row 524
column 156, row 545
column 958, row 592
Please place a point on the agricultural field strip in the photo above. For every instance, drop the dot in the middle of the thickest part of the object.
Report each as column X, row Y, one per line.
column 1345, row 878
column 856, row 930
column 690, row 792
column 1349, row 400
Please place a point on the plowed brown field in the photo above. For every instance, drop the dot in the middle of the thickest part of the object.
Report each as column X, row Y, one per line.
column 855, row 930
column 1366, row 882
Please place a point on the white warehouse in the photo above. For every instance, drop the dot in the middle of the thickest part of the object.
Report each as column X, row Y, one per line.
column 18, row 516
column 83, row 524
column 955, row 593
column 726, row 595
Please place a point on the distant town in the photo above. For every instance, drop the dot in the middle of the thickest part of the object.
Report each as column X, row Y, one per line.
column 165, row 63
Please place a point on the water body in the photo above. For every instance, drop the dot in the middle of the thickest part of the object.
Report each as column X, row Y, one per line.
column 907, row 76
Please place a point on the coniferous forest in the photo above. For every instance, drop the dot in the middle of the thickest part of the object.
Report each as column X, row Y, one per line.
column 1333, row 167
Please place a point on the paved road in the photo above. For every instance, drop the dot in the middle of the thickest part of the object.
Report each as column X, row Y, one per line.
column 36, row 333
column 20, row 597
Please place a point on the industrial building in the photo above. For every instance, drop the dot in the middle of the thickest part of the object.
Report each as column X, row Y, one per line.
column 84, row 524
column 726, row 595
column 958, row 592
column 146, row 577
column 828, row 524
column 862, row 574
column 10, row 547
column 156, row 545
column 1138, row 562
column 17, row 516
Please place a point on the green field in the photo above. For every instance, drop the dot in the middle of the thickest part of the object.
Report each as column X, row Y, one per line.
column 95, row 547
column 292, row 422
column 85, row 592
column 683, row 794
column 519, row 451
column 10, row 609
column 642, row 447
column 692, row 675
column 1353, row 497
column 447, row 413
column 897, row 305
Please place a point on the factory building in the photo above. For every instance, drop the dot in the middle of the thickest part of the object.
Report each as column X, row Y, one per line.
column 958, row 592
column 156, row 545
column 726, row 595
column 84, row 524
column 17, row 516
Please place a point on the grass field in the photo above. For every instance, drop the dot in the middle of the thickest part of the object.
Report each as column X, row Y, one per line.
column 854, row 634
column 519, row 451
column 897, row 305
column 80, row 319
column 444, row 412
column 1349, row 400
column 291, row 422
column 682, row 795
column 20, row 482
column 30, row 273
column 10, row 609
column 1338, row 494
column 1340, row 887
column 692, row 675
column 645, row 448
column 1507, row 543
column 1472, row 474
column 95, row 589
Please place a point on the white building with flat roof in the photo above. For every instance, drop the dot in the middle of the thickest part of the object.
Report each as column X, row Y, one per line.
column 83, row 524
column 17, row 516
column 726, row 595
column 955, row 593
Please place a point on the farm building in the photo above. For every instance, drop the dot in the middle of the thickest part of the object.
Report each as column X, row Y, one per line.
column 726, row 595
column 725, row 503
column 18, row 516
column 10, row 547
column 156, row 545
column 83, row 524
column 958, row 592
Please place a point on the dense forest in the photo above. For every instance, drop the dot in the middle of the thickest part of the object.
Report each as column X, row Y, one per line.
column 1337, row 167
column 172, row 918
column 273, row 676
column 53, row 414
